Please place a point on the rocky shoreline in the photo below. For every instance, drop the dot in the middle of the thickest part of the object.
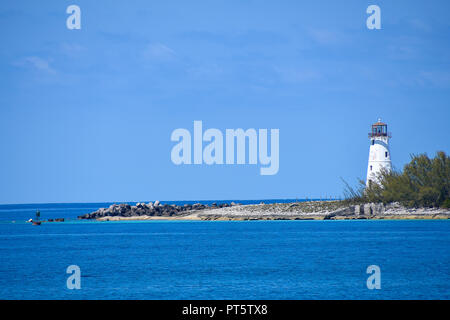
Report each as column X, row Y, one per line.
column 151, row 209
column 311, row 210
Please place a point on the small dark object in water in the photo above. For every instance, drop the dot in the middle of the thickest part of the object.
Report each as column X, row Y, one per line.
column 37, row 222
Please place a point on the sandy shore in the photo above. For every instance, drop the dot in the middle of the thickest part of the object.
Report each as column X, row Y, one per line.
column 317, row 210
column 137, row 218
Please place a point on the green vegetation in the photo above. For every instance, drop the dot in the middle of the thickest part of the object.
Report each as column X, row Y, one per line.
column 424, row 182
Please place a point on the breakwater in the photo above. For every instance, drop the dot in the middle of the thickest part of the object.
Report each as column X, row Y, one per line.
column 151, row 209
column 311, row 210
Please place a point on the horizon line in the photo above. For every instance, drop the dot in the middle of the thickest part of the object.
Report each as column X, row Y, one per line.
column 161, row 201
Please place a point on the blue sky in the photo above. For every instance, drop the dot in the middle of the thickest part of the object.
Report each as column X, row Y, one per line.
column 86, row 115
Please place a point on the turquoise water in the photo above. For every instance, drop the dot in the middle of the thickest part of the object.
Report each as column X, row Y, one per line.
column 222, row 260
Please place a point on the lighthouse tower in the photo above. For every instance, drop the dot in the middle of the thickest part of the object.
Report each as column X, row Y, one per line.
column 379, row 154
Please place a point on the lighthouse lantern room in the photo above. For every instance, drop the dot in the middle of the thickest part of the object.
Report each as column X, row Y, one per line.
column 379, row 153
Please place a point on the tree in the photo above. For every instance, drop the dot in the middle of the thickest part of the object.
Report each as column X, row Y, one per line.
column 424, row 182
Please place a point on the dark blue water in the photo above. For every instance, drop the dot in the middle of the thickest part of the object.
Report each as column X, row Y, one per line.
column 224, row 260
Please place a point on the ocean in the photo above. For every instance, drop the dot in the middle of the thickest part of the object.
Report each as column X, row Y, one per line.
column 219, row 259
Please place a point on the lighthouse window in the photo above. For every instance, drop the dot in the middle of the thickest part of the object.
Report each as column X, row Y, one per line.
column 385, row 154
column 370, row 168
column 373, row 142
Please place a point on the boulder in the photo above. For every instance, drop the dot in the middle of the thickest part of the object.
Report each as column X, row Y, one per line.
column 377, row 208
column 140, row 209
column 367, row 210
column 357, row 210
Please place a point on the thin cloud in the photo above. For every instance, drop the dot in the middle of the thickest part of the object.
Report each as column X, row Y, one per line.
column 158, row 51
column 298, row 75
column 36, row 63
column 327, row 37
column 236, row 39
column 206, row 70
column 436, row 78
column 401, row 52
column 420, row 25
column 420, row 79
column 72, row 49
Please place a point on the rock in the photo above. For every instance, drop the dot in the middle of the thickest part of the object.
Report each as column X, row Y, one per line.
column 357, row 210
column 198, row 206
column 367, row 209
column 141, row 209
column 124, row 208
column 140, row 205
column 377, row 208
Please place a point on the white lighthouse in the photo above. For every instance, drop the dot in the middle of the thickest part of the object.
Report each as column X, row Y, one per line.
column 379, row 153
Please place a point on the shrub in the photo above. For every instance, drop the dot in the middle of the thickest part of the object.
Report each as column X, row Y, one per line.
column 424, row 182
